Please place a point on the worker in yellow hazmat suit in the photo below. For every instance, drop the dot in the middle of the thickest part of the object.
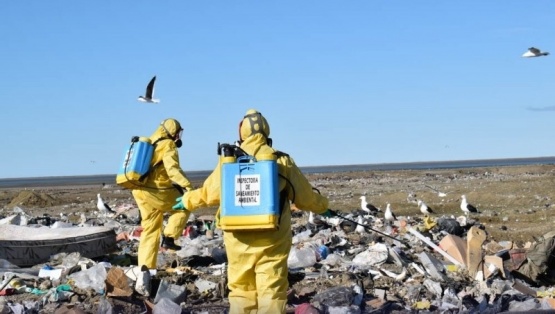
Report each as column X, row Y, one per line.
column 165, row 181
column 257, row 273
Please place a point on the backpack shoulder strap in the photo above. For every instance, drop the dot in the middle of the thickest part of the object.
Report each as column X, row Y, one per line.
column 160, row 139
column 144, row 176
column 280, row 154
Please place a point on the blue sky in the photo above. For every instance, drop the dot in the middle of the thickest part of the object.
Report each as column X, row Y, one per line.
column 341, row 82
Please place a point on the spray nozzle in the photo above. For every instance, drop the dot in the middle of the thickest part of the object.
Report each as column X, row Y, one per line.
column 230, row 150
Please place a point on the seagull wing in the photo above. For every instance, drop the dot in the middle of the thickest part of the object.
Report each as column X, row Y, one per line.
column 471, row 208
column 372, row 208
column 534, row 50
column 150, row 88
column 108, row 207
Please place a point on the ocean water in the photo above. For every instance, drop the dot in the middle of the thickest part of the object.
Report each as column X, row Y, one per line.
column 201, row 175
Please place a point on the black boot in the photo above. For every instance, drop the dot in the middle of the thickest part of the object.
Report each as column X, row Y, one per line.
column 168, row 243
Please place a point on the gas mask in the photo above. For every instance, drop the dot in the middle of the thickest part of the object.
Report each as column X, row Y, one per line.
column 177, row 138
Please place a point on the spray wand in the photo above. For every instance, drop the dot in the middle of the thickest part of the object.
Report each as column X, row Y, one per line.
column 334, row 213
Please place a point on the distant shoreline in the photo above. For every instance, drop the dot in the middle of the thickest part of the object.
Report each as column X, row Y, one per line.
column 80, row 180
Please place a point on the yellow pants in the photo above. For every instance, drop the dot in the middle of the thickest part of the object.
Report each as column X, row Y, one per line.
column 257, row 273
column 153, row 206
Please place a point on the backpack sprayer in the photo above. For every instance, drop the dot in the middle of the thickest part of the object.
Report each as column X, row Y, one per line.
column 136, row 163
column 249, row 190
column 136, row 167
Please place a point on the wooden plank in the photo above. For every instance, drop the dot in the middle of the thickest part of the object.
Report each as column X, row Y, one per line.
column 474, row 255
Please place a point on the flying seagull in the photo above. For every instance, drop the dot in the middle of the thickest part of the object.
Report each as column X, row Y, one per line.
column 466, row 207
column 367, row 207
column 534, row 52
column 425, row 209
column 103, row 207
column 148, row 97
column 389, row 215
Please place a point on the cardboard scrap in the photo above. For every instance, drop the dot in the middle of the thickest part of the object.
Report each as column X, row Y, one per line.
column 375, row 303
column 454, row 246
column 507, row 245
column 122, row 236
column 550, row 302
column 475, row 239
column 523, row 288
column 492, row 264
column 149, row 306
column 493, row 247
column 517, row 258
column 435, row 247
column 117, row 284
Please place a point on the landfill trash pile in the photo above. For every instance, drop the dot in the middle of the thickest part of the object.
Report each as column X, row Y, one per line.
column 351, row 263
column 356, row 262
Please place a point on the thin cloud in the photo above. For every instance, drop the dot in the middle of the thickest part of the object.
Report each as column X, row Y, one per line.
column 548, row 108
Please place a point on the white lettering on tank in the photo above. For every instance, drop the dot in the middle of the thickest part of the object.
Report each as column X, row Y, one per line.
column 247, row 190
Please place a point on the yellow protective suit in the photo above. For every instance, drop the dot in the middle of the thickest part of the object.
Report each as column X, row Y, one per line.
column 257, row 273
column 158, row 194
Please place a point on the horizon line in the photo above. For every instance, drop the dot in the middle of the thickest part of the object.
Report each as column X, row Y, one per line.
column 319, row 167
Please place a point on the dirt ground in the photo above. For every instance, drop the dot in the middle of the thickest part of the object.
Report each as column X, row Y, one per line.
column 516, row 203
column 519, row 199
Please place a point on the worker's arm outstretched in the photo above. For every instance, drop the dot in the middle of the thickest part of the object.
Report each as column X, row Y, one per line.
column 299, row 189
column 175, row 173
column 207, row 195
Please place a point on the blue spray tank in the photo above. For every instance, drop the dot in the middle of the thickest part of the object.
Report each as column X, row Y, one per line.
column 249, row 193
column 136, row 163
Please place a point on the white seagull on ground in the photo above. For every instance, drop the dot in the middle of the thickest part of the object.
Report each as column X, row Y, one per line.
column 335, row 222
column 64, row 217
column 425, row 209
column 315, row 220
column 466, row 207
column 389, row 215
column 534, row 52
column 149, row 96
column 103, row 207
column 360, row 226
column 367, row 207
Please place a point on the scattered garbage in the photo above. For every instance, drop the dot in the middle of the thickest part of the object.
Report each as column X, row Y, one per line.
column 429, row 264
